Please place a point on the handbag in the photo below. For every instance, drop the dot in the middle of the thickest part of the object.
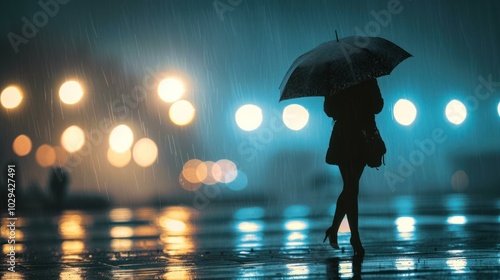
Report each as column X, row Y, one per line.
column 375, row 147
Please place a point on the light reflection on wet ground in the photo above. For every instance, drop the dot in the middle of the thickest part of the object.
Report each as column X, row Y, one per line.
column 451, row 237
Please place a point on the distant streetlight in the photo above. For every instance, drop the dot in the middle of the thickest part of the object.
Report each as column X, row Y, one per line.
column 11, row 97
column 71, row 92
column 171, row 90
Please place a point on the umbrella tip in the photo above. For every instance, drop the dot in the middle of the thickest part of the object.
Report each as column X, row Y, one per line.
column 336, row 35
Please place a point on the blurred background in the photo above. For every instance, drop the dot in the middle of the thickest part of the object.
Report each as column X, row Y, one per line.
column 133, row 103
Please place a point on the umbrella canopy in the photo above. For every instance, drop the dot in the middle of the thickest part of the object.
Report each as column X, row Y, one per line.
column 337, row 65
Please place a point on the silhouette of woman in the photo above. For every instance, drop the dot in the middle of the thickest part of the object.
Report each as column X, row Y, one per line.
column 58, row 183
column 352, row 109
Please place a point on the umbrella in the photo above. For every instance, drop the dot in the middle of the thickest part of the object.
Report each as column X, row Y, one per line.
column 337, row 65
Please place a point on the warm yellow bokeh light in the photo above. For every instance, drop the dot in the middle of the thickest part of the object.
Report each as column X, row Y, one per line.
column 70, row 92
column 174, row 226
column 71, row 226
column 189, row 170
column 170, row 90
column 146, row 231
column 121, row 232
column 181, row 112
column 6, row 250
column 188, row 185
column 249, row 117
column 11, row 97
column 119, row 215
column 205, row 172
column 295, row 117
column 121, row 138
column 177, row 245
column 145, row 152
column 119, row 159
column 22, row 145
column 73, row 139
column 228, row 171
column 72, row 247
column 121, row 244
column 45, row 155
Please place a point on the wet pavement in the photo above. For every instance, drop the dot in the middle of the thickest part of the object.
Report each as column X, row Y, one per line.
column 448, row 237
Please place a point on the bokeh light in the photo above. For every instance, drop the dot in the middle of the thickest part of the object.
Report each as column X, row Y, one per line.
column 228, row 171
column 456, row 112
column 121, row 244
column 71, row 226
column 302, row 271
column 22, row 145
column 70, row 92
column 405, row 264
column 171, row 225
column 181, row 112
column 145, row 152
column 405, row 224
column 251, row 226
column 119, row 215
column 498, row 109
column 239, row 183
column 296, row 225
column 6, row 248
column 121, row 138
column 205, row 172
column 45, row 155
column 248, row 117
column 457, row 264
column 456, row 220
column 73, row 139
column 189, row 170
column 170, row 90
column 121, row 232
column 11, row 97
column 405, row 112
column 188, row 185
column 119, row 159
column 296, row 236
column 72, row 247
column 295, row 117
column 460, row 181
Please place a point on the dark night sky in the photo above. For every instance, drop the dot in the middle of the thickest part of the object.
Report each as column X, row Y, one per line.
column 241, row 57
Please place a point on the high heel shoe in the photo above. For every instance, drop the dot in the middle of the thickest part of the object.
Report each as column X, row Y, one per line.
column 358, row 249
column 332, row 241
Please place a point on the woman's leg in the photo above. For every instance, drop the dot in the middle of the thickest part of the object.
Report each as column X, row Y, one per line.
column 351, row 174
column 347, row 203
column 340, row 212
